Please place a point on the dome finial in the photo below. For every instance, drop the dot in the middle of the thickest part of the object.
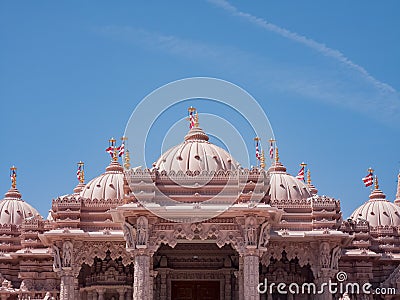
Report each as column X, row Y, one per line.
column 13, row 176
column 193, row 117
column 80, row 173
column 112, row 150
column 276, row 155
column 262, row 160
column 127, row 160
column 376, row 183
column 308, row 177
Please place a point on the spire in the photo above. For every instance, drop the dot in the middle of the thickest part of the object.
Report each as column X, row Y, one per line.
column 13, row 176
column 397, row 200
column 127, row 160
column 81, row 173
column 312, row 188
column 276, row 165
column 262, row 160
column 376, row 183
column 377, row 194
column 13, row 191
column 193, row 117
column 276, row 155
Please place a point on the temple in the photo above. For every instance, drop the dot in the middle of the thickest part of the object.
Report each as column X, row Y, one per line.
column 196, row 225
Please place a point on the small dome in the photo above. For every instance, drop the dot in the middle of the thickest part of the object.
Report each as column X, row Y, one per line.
column 109, row 185
column 283, row 186
column 196, row 153
column 14, row 210
column 378, row 211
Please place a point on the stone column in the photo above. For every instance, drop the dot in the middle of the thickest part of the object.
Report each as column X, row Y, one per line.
column 141, row 281
column 163, row 289
column 251, row 264
column 101, row 294
column 89, row 295
column 228, row 286
column 121, row 293
column 240, row 278
column 324, row 275
column 67, row 291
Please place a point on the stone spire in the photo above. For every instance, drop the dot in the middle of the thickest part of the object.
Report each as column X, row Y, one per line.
column 80, row 175
column 13, row 191
column 312, row 188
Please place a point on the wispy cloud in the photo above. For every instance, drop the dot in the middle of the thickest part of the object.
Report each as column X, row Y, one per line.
column 321, row 48
column 329, row 86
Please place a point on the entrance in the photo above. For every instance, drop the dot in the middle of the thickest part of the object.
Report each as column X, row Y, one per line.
column 195, row 290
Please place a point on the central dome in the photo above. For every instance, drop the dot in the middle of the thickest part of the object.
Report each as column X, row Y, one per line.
column 196, row 153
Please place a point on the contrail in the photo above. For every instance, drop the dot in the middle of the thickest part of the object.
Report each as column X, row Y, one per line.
column 321, row 48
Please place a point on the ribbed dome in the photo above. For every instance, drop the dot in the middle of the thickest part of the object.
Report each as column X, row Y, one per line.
column 196, row 153
column 14, row 210
column 378, row 211
column 109, row 185
column 283, row 186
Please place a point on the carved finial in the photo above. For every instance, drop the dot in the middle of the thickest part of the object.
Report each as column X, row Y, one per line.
column 127, row 163
column 80, row 173
column 308, row 177
column 276, row 155
column 376, row 183
column 262, row 160
column 13, row 176
column 112, row 150
column 193, row 117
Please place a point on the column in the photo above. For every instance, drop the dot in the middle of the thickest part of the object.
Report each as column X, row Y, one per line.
column 89, row 295
column 228, row 286
column 121, row 293
column 325, row 274
column 251, row 276
column 101, row 293
column 240, row 278
column 163, row 289
column 141, row 281
column 67, row 291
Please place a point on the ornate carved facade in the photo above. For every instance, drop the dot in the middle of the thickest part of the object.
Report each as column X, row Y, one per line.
column 195, row 226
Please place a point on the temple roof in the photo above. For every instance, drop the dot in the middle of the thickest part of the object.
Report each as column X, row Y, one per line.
column 196, row 153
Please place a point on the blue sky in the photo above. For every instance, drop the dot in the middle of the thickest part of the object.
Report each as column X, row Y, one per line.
column 326, row 74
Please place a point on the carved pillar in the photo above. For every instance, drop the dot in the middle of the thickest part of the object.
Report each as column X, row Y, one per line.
column 240, row 278
column 121, row 293
column 251, row 264
column 101, row 294
column 67, row 291
column 141, row 281
column 228, row 286
column 163, row 289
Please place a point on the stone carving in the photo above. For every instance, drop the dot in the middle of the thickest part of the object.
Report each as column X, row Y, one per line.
column 57, row 258
column 264, row 235
column 251, row 231
column 336, row 254
column 67, row 254
column 324, row 255
column 142, row 231
column 130, row 234
column 85, row 252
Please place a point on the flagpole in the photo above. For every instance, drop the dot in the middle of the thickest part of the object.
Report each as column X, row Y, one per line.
column 257, row 139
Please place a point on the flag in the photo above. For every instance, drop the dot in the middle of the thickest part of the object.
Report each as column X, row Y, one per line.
column 257, row 151
column 300, row 175
column 121, row 150
column 13, row 174
column 368, row 180
column 191, row 120
column 271, row 150
column 78, row 173
column 110, row 150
